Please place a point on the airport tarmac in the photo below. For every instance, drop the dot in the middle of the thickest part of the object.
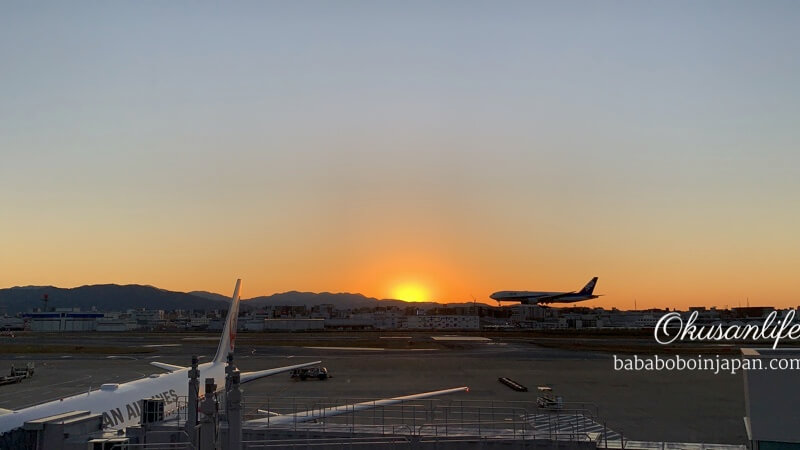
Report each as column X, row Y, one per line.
column 669, row 406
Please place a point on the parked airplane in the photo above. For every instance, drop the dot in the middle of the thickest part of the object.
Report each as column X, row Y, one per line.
column 120, row 404
column 537, row 297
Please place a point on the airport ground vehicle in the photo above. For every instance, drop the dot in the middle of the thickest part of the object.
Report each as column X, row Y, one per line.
column 18, row 374
column 304, row 373
column 547, row 399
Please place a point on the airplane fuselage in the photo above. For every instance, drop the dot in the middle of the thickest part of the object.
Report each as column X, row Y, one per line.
column 534, row 297
column 120, row 404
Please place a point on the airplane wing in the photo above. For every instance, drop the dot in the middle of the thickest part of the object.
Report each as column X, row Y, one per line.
column 250, row 376
column 165, row 366
column 321, row 413
column 245, row 376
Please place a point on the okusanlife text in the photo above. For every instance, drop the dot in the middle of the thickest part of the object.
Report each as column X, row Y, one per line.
column 671, row 327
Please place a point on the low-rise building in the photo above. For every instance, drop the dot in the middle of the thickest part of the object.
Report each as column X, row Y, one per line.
column 285, row 325
column 357, row 322
column 443, row 322
column 63, row 320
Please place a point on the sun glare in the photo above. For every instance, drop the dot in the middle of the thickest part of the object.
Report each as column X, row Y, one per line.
column 410, row 292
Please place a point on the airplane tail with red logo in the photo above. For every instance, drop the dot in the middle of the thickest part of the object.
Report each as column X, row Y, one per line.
column 228, row 340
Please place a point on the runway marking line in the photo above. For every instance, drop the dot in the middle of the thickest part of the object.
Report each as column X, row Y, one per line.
column 461, row 338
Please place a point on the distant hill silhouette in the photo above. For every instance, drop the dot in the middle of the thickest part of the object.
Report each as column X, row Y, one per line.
column 210, row 295
column 343, row 300
column 104, row 297
column 114, row 297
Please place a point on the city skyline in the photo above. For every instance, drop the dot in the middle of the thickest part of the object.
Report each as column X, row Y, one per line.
column 436, row 151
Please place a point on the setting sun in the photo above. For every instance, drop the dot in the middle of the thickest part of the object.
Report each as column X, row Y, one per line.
column 411, row 292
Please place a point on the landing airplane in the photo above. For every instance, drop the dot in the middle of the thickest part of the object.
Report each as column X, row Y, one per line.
column 537, row 297
column 120, row 404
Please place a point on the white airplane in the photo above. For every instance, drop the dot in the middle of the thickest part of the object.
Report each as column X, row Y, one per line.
column 120, row 404
column 536, row 297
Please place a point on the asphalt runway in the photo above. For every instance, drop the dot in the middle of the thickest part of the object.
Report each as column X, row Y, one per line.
column 653, row 406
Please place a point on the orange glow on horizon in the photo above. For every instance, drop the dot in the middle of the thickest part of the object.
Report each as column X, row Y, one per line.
column 411, row 292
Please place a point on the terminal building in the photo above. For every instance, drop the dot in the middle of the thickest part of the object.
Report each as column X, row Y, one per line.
column 63, row 320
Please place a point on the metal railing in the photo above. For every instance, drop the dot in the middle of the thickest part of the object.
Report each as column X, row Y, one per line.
column 181, row 435
column 404, row 424
column 431, row 417
column 349, row 442
column 154, row 446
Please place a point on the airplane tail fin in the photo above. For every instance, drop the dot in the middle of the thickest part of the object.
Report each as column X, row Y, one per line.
column 226, row 343
column 589, row 288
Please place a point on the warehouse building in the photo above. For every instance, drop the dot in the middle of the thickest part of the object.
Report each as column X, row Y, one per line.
column 63, row 319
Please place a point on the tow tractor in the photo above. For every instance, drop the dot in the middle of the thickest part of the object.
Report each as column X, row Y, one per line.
column 320, row 373
column 18, row 374
column 547, row 399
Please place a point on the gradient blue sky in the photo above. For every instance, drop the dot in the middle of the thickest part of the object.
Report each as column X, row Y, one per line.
column 463, row 147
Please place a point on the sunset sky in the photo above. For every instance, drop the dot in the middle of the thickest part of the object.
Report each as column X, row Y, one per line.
column 439, row 149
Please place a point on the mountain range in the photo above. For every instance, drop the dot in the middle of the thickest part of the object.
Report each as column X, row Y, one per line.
column 114, row 297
